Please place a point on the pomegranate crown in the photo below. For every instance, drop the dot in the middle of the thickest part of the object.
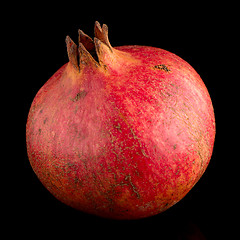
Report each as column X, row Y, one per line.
column 89, row 50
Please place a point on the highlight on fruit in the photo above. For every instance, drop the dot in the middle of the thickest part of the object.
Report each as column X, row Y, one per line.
column 120, row 132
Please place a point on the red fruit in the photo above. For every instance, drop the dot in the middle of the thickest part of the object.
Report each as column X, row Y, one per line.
column 122, row 132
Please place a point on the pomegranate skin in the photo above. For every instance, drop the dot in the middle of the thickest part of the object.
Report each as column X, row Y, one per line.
column 122, row 133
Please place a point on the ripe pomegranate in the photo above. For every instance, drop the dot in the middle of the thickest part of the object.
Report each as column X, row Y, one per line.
column 120, row 132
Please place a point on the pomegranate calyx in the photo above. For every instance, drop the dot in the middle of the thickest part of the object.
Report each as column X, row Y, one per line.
column 89, row 52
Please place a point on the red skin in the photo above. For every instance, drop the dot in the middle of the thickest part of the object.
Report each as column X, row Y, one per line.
column 124, row 141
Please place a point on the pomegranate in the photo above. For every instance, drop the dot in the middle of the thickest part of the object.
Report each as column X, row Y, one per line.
column 120, row 132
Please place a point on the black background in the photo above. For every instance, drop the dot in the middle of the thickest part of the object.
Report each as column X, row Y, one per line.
column 190, row 31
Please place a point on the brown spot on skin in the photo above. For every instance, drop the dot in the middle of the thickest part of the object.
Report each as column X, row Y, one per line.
column 45, row 120
column 128, row 178
column 144, row 154
column 162, row 67
column 79, row 95
column 118, row 127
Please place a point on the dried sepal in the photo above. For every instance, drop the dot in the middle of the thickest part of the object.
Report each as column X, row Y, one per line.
column 102, row 33
column 85, row 57
column 72, row 51
column 85, row 40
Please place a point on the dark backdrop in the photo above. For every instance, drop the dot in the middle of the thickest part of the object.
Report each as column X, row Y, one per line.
column 190, row 31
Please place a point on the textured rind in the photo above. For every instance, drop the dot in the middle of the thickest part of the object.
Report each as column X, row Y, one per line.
column 127, row 142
